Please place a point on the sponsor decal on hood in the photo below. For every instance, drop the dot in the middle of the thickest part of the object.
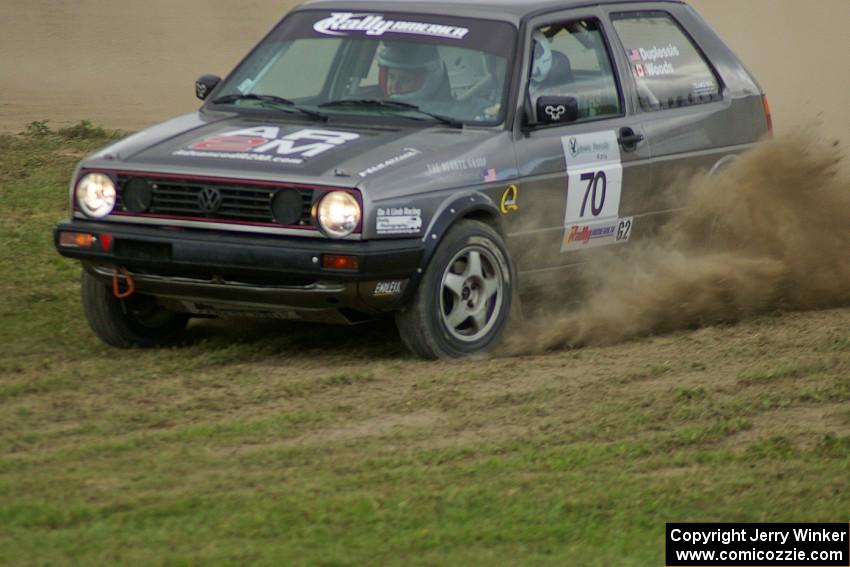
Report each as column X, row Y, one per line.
column 266, row 144
column 406, row 155
column 347, row 23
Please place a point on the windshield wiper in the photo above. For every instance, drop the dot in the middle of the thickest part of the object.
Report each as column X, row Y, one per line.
column 392, row 105
column 271, row 100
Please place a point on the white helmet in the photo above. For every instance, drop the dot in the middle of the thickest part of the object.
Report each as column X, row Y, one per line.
column 410, row 71
column 542, row 58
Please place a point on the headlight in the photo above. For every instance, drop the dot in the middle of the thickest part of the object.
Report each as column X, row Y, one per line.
column 338, row 214
column 96, row 195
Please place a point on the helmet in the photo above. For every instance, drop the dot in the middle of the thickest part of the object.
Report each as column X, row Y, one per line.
column 410, row 71
column 542, row 58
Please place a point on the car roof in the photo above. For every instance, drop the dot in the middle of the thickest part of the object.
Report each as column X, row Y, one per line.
column 511, row 10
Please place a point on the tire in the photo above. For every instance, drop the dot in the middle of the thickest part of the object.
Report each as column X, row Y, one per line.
column 461, row 306
column 137, row 321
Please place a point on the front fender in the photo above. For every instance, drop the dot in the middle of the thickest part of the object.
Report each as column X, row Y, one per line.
column 457, row 208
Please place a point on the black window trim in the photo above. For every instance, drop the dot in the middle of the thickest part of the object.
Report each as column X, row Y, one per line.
column 633, row 14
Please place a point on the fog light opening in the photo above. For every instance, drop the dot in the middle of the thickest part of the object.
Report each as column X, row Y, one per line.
column 77, row 240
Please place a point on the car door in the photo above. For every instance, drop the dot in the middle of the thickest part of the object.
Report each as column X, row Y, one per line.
column 583, row 178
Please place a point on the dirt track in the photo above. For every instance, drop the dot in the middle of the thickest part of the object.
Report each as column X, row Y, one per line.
column 125, row 64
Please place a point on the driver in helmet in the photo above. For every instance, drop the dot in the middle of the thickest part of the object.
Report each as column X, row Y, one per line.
column 412, row 72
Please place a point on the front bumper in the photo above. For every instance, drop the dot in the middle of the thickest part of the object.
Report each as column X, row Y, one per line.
column 210, row 273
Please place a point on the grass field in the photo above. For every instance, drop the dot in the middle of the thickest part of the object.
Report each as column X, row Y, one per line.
column 289, row 445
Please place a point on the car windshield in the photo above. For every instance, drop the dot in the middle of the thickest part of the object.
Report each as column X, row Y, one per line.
column 388, row 64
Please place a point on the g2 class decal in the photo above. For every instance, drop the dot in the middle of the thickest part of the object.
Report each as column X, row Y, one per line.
column 264, row 143
column 348, row 23
column 594, row 183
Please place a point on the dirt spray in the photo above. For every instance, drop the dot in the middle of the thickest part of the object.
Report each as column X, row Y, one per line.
column 770, row 232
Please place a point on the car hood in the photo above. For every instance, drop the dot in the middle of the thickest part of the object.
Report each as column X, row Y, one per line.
column 384, row 161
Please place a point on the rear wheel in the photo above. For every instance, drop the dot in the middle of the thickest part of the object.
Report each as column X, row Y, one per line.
column 464, row 299
column 138, row 321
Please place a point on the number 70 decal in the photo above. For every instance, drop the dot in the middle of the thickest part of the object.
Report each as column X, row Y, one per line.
column 593, row 181
column 593, row 187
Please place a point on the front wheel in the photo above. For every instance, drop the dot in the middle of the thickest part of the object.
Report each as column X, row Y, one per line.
column 138, row 321
column 463, row 301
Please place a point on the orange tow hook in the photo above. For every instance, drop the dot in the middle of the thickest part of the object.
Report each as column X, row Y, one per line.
column 116, row 283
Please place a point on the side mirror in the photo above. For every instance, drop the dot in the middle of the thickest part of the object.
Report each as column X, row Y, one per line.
column 557, row 110
column 205, row 85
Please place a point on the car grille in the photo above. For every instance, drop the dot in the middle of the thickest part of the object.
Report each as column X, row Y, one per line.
column 235, row 202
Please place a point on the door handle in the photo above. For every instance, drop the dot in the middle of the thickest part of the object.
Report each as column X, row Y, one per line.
column 628, row 138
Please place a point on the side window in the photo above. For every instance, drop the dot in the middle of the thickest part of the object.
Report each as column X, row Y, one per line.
column 669, row 70
column 571, row 60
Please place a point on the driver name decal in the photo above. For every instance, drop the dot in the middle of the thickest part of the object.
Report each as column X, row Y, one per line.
column 345, row 23
column 266, row 144
column 645, row 60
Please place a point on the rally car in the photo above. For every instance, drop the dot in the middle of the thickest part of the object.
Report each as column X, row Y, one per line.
column 427, row 159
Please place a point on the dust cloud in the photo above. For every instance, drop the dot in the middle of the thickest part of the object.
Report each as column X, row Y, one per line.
column 770, row 232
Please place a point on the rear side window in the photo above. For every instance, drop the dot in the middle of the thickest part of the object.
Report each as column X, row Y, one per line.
column 669, row 70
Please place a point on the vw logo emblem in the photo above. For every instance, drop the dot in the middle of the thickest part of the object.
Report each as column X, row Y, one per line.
column 209, row 200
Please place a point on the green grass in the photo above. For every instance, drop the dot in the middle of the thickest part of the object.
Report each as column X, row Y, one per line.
column 277, row 444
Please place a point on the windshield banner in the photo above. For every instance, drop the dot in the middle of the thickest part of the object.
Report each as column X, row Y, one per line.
column 491, row 36
column 346, row 23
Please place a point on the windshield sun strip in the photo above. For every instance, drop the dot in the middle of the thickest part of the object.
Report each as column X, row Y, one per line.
column 489, row 114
